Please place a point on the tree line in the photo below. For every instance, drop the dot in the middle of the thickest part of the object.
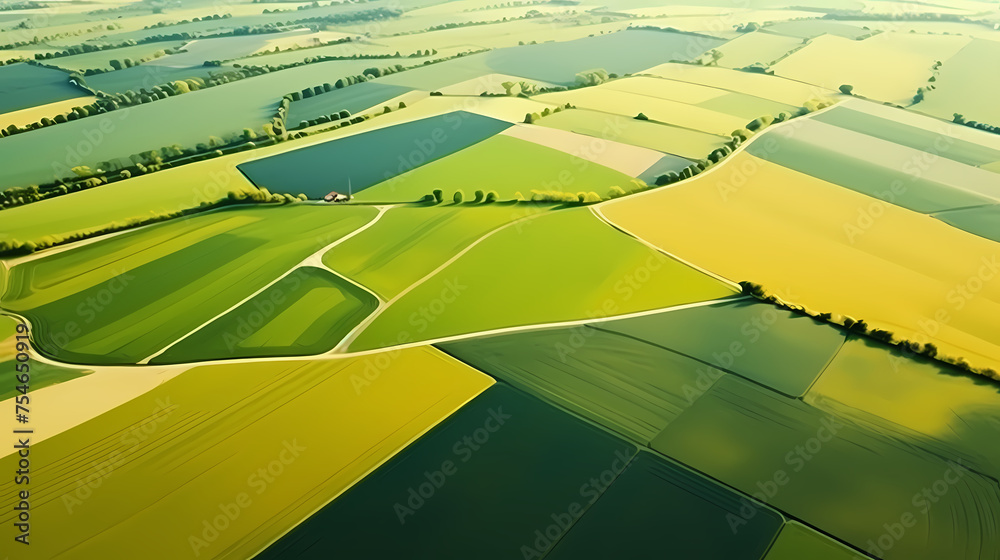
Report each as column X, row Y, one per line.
column 861, row 328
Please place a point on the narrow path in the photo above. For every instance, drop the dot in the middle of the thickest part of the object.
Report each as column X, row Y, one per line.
column 308, row 261
column 351, row 336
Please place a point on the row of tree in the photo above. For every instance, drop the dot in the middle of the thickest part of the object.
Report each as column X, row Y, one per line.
column 860, row 327
column 213, row 17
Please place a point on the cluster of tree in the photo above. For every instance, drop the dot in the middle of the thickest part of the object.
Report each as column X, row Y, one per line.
column 530, row 14
column 921, row 91
column 506, row 5
column 11, row 61
column 747, row 27
column 14, row 247
column 213, row 17
column 757, row 68
column 593, row 77
column 530, row 118
column 861, row 328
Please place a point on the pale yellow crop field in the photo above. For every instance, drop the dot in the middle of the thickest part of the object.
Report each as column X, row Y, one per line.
column 756, row 46
column 830, row 249
column 886, row 67
column 681, row 92
column 760, row 85
column 660, row 110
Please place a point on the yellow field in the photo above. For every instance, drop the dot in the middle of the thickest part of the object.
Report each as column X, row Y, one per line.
column 760, row 85
column 665, row 89
column 661, row 110
column 25, row 117
column 240, row 454
column 830, row 249
column 886, row 67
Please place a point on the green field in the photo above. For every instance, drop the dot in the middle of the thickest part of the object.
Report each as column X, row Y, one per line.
column 379, row 518
column 691, row 144
column 794, row 456
column 773, row 347
column 630, row 387
column 956, row 415
column 306, row 312
column 658, row 509
column 408, row 243
column 797, row 541
column 41, row 374
column 935, row 137
column 880, row 169
column 539, row 271
column 983, row 221
column 106, row 302
column 502, row 164
column 102, row 59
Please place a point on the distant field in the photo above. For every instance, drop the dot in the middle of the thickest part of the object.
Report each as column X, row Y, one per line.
column 668, row 139
column 808, row 29
column 743, row 435
column 512, row 502
column 195, row 268
column 661, row 110
column 219, row 111
column 408, row 243
column 223, row 48
column 955, row 142
column 880, row 169
column 551, row 279
column 502, row 163
column 886, row 67
column 354, row 99
column 370, row 158
column 764, row 86
column 307, row 312
column 893, row 271
column 964, row 85
column 102, row 59
column 756, row 46
column 206, row 436
column 23, row 86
